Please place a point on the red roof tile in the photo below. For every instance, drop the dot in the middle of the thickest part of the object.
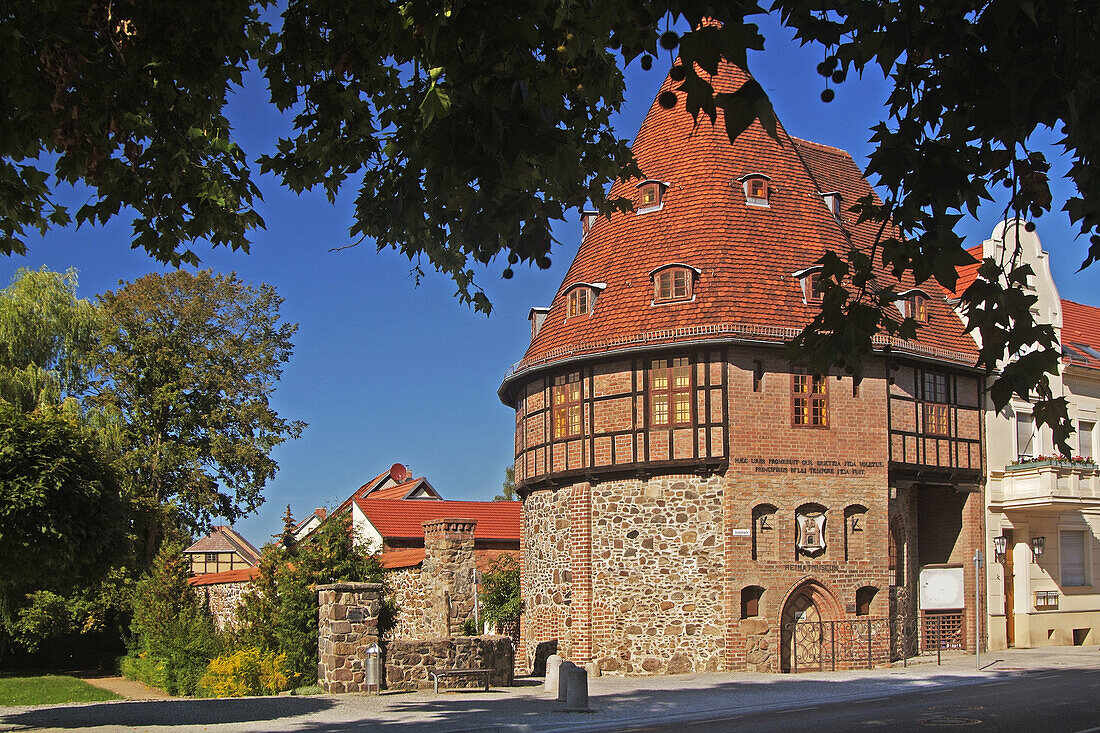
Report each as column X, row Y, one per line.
column 240, row 575
column 745, row 254
column 397, row 518
column 401, row 558
column 968, row 273
column 1081, row 326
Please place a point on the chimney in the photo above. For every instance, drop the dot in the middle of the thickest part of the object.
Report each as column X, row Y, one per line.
column 447, row 573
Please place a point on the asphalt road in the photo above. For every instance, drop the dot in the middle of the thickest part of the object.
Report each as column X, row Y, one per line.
column 1046, row 700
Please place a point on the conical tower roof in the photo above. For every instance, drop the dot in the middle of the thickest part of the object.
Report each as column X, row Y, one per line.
column 745, row 256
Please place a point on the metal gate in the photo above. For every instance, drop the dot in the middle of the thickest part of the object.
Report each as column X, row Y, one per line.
column 821, row 645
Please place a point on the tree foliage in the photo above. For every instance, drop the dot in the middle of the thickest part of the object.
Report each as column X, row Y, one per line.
column 47, row 339
column 173, row 631
column 279, row 612
column 468, row 131
column 501, row 602
column 508, row 488
column 191, row 361
column 62, row 519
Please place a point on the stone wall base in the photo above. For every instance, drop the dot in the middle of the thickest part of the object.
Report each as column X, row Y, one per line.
column 408, row 660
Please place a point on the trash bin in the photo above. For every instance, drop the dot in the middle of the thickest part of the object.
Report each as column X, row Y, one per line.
column 373, row 677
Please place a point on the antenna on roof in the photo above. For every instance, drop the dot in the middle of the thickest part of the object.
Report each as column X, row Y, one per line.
column 399, row 473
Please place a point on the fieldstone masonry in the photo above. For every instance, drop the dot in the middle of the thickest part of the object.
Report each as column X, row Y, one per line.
column 447, row 575
column 408, row 661
column 348, row 624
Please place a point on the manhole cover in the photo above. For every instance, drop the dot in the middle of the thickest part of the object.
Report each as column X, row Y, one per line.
column 951, row 720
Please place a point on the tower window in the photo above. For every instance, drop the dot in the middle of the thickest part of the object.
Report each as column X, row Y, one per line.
column 937, row 411
column 672, row 284
column 670, row 391
column 651, row 195
column 567, row 405
column 580, row 302
column 588, row 220
column 918, row 308
column 757, row 189
column 809, row 401
column 750, row 601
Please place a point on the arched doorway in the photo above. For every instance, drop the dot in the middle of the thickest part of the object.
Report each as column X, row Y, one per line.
column 801, row 626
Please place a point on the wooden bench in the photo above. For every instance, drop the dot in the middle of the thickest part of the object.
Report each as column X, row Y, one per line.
column 437, row 674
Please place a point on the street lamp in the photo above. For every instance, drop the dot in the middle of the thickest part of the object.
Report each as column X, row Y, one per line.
column 1000, row 543
column 1037, row 544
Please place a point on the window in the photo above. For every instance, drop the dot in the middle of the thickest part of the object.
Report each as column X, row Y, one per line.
column 1026, row 437
column 1084, row 438
column 816, row 293
column 580, row 302
column 650, row 196
column 918, row 308
column 756, row 190
column 896, row 554
column 670, row 391
column 757, row 375
column 567, row 405
column 673, row 283
column 1072, row 550
column 864, row 596
column 588, row 220
column 809, row 401
column 750, row 601
column 937, row 420
column 832, row 202
column 211, row 557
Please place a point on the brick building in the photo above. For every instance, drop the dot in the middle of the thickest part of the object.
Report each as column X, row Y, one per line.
column 691, row 500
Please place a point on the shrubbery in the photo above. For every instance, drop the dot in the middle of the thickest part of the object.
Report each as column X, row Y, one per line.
column 244, row 672
column 174, row 634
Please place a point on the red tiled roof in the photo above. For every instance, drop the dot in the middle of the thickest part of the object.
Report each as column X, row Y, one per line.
column 401, row 558
column 745, row 254
column 240, row 575
column 1081, row 325
column 968, row 273
column 226, row 539
column 398, row 518
column 402, row 490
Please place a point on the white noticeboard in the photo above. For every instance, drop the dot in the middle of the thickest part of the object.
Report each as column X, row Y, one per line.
column 742, row 533
column 941, row 589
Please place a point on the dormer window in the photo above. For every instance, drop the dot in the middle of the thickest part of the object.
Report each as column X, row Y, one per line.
column 810, row 281
column 651, row 195
column 914, row 304
column 673, row 283
column 833, row 203
column 588, row 220
column 581, row 299
column 580, row 302
column 757, row 189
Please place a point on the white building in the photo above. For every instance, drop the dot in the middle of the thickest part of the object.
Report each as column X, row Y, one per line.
column 1045, row 588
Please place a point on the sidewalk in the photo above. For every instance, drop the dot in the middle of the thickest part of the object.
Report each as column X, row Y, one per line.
column 615, row 701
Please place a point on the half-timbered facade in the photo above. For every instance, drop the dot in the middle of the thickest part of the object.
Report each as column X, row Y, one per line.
column 692, row 500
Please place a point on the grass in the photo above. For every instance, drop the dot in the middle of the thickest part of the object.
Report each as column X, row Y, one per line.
column 50, row 690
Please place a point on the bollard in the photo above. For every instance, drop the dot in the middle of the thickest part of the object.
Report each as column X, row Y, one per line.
column 550, row 684
column 576, row 690
column 565, row 679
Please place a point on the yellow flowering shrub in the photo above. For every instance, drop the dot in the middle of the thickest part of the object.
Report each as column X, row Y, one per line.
column 245, row 672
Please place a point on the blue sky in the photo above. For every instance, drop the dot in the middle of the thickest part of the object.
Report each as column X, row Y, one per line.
column 387, row 372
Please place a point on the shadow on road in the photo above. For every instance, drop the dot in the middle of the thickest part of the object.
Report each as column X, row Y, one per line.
column 166, row 712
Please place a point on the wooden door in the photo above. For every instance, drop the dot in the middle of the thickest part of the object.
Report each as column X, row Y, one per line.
column 1010, row 584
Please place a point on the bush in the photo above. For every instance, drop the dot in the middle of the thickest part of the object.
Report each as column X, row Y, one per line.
column 172, row 627
column 245, row 672
column 141, row 668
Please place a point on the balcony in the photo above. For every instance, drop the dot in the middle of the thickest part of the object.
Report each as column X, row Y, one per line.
column 1045, row 485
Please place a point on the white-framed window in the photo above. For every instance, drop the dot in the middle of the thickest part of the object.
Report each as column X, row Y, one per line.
column 1072, row 554
column 1027, row 437
column 1086, row 429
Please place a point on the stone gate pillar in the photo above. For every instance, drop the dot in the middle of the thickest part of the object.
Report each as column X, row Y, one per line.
column 447, row 572
column 347, row 625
